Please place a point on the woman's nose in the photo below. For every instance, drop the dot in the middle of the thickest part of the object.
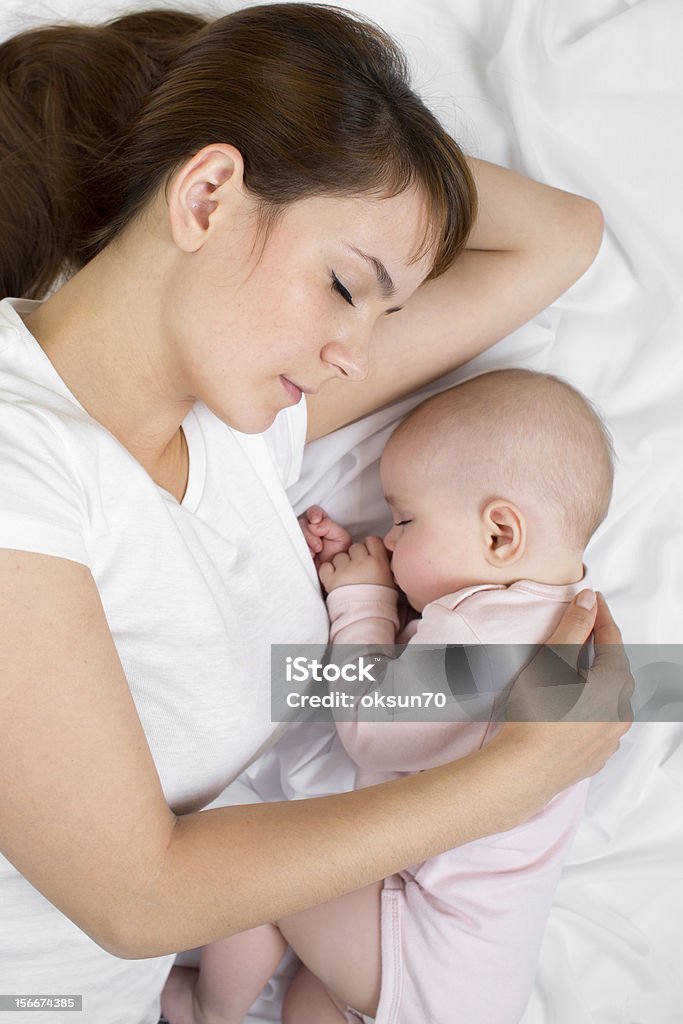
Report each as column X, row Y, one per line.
column 351, row 358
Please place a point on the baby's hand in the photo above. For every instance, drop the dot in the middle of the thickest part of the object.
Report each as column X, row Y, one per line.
column 363, row 563
column 324, row 537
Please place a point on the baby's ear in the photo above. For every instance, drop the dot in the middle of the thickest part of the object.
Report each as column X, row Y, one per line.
column 504, row 532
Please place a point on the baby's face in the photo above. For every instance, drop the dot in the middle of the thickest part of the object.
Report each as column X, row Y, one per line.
column 436, row 545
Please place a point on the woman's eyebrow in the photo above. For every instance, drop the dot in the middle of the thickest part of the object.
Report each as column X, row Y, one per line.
column 384, row 279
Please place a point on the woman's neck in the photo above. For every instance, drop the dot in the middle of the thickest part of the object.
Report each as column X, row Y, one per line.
column 101, row 332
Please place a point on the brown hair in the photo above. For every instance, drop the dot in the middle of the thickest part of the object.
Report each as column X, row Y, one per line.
column 94, row 121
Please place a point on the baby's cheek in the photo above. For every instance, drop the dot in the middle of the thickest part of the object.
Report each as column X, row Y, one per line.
column 402, row 567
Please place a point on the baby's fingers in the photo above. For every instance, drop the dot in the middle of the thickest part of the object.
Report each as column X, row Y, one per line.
column 326, row 574
column 375, row 546
column 320, row 528
column 314, row 543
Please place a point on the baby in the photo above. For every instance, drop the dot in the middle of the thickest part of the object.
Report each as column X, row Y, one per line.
column 495, row 487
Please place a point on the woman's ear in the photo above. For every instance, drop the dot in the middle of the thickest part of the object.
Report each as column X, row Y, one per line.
column 504, row 529
column 197, row 190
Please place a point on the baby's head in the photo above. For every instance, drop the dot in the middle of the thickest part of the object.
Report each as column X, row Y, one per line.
column 502, row 478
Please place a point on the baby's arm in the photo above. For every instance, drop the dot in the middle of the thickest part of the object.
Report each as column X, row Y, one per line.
column 361, row 595
column 362, row 604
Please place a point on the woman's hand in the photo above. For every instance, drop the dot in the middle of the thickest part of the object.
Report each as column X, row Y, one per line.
column 563, row 723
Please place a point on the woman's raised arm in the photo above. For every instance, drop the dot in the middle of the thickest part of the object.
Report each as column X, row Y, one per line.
column 83, row 816
column 529, row 243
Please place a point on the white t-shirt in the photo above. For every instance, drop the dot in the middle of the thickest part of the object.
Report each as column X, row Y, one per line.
column 194, row 593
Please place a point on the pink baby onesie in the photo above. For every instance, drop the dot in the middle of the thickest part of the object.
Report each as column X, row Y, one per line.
column 461, row 932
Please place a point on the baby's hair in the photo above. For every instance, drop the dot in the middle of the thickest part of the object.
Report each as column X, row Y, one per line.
column 493, row 424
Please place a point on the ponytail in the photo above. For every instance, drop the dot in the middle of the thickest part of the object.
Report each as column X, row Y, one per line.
column 67, row 94
column 94, row 120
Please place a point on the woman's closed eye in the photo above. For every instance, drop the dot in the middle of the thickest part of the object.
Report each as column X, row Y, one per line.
column 339, row 288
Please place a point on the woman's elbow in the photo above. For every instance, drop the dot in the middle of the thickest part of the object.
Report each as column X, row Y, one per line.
column 141, row 928
column 588, row 225
column 135, row 940
column 113, row 940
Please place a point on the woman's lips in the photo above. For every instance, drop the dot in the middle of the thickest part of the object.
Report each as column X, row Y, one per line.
column 297, row 390
column 291, row 389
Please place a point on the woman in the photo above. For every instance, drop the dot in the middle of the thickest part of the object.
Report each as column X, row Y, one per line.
column 237, row 207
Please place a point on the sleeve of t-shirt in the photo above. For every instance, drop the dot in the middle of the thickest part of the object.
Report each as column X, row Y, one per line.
column 286, row 438
column 42, row 505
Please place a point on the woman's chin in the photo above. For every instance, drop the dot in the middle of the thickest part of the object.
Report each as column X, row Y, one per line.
column 247, row 421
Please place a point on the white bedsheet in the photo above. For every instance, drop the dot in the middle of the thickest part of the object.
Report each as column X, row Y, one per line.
column 586, row 95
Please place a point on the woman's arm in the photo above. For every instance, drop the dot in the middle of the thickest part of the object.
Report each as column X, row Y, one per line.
column 83, row 816
column 529, row 244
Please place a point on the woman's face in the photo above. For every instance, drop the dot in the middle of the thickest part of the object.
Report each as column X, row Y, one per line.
column 249, row 332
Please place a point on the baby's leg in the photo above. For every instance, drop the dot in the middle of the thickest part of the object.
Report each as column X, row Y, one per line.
column 232, row 973
column 339, row 942
column 307, row 1001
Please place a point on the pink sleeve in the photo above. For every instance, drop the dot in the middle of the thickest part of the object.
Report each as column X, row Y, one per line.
column 442, row 625
column 363, row 613
column 416, row 746
column 367, row 615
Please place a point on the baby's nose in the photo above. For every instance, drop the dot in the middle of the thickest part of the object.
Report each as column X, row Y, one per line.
column 389, row 540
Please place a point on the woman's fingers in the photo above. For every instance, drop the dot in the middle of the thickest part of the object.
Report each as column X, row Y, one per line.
column 608, row 698
column 574, row 628
column 606, row 630
column 610, row 650
column 577, row 622
column 547, row 690
column 551, row 689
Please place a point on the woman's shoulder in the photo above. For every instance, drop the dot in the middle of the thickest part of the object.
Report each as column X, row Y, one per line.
column 43, row 505
column 39, row 431
column 47, row 441
column 33, row 398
